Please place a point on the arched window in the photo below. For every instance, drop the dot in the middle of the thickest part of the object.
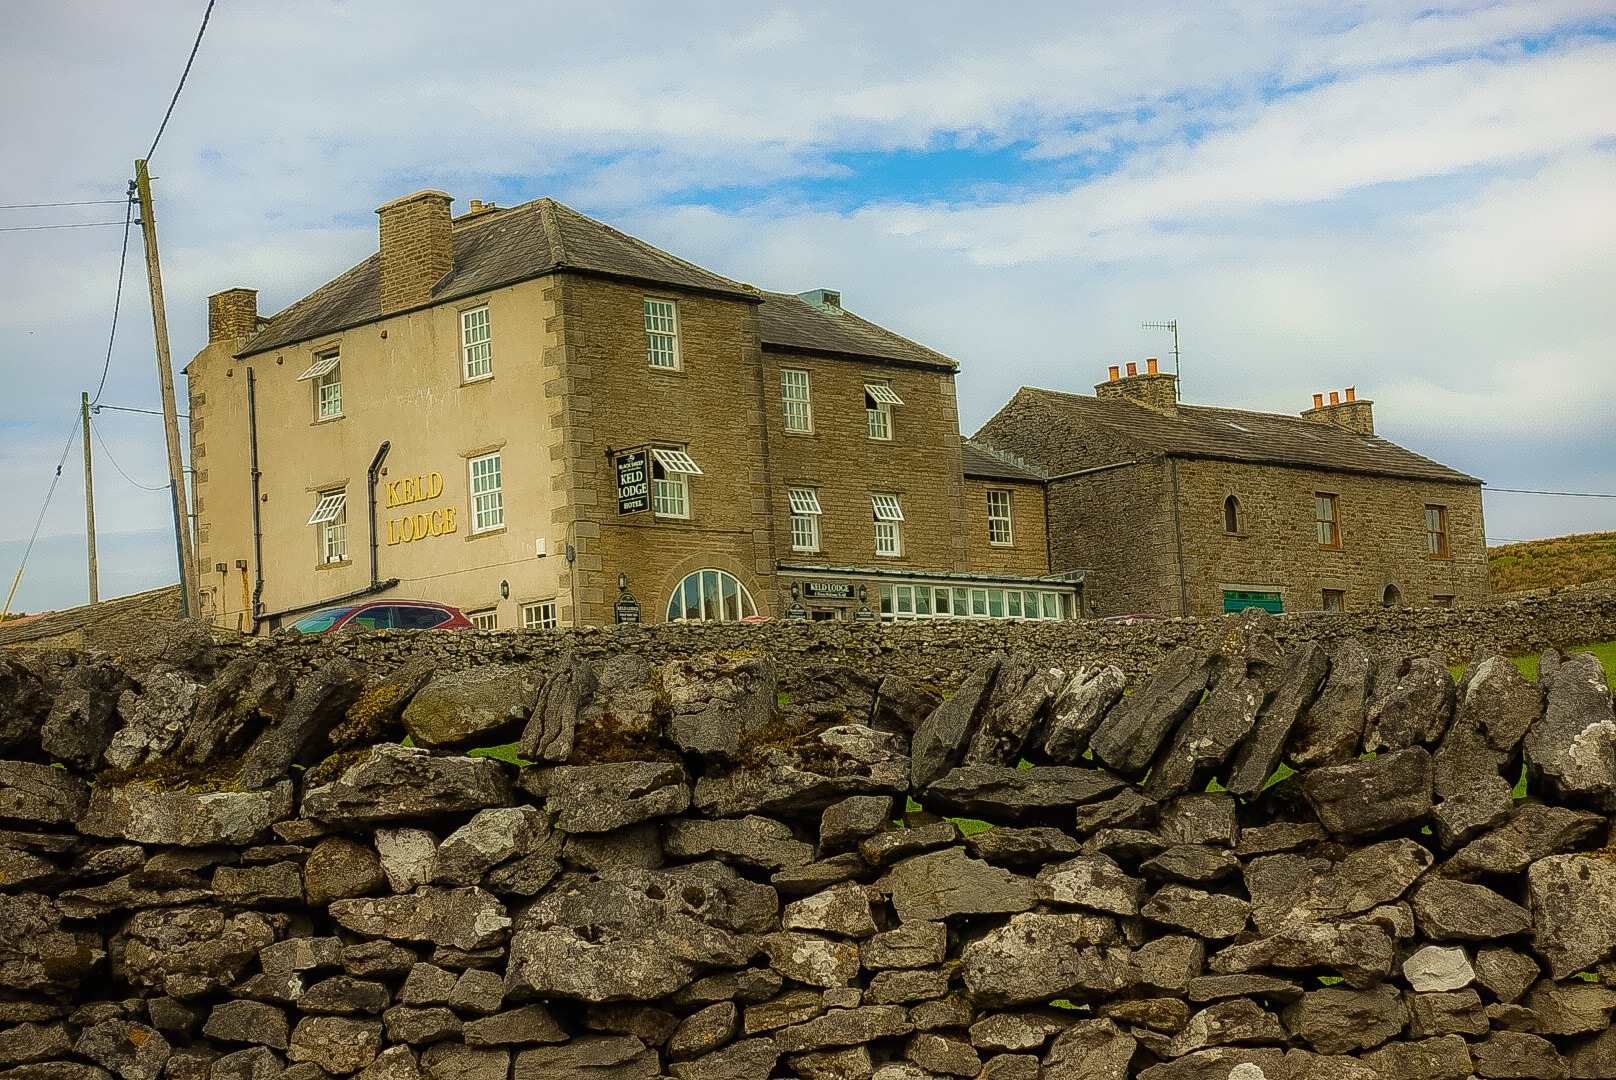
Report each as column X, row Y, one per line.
column 1231, row 515
column 1391, row 597
column 710, row 596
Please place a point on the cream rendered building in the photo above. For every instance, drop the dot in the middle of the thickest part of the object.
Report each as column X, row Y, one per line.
column 542, row 421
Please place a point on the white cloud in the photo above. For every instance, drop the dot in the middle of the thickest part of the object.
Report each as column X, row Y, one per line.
column 1408, row 197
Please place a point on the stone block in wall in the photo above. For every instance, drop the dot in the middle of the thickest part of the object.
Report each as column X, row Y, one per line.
column 1034, row 846
column 713, row 701
column 949, row 882
column 1127, row 740
column 1077, row 709
column 1372, row 795
column 1331, row 730
column 41, row 795
column 1571, row 751
column 192, row 951
column 1561, row 890
column 481, row 706
column 806, row 775
column 466, row 918
column 1004, row 793
column 188, row 819
column 400, row 784
column 601, row 798
column 1036, row 958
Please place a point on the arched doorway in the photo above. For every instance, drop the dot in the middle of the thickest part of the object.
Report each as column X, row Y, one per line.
column 1392, row 597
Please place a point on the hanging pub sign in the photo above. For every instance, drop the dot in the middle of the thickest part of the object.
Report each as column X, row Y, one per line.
column 633, row 481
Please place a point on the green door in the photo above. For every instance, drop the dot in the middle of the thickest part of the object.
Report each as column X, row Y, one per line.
column 1239, row 601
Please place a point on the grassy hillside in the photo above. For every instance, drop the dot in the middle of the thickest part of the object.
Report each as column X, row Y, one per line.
column 1559, row 561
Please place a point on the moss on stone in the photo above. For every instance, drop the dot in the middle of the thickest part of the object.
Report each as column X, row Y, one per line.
column 170, row 774
column 372, row 713
column 334, row 767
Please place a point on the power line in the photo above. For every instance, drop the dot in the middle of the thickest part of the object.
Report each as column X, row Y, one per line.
column 38, row 205
column 124, row 408
column 183, row 75
column 71, row 435
column 1563, row 494
column 144, row 487
column 117, row 298
column 42, row 228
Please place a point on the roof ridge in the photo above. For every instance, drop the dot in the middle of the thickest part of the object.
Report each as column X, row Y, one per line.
column 645, row 245
column 546, row 208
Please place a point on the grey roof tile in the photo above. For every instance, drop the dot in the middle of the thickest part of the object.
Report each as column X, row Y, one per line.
column 1084, row 423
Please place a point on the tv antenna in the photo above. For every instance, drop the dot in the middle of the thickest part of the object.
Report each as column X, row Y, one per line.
column 1178, row 382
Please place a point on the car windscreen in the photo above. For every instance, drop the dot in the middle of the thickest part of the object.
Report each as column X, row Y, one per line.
column 320, row 621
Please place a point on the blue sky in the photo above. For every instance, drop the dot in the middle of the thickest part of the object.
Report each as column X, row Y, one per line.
column 1410, row 198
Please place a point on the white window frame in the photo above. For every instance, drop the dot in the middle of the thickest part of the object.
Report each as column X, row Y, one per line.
column 805, row 514
column 540, row 615
column 328, row 395
column 331, row 518
column 662, row 334
column 882, row 394
column 327, row 389
column 675, row 460
column 486, row 619
column 716, row 596
column 796, row 400
column 1001, row 526
column 878, row 420
column 476, row 344
column 888, row 530
column 487, row 498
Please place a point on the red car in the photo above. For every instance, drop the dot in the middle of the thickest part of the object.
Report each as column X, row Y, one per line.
column 383, row 615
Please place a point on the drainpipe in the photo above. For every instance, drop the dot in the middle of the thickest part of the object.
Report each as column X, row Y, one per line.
column 1178, row 543
column 370, row 504
column 257, row 529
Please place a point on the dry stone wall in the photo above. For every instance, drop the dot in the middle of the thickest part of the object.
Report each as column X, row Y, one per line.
column 729, row 865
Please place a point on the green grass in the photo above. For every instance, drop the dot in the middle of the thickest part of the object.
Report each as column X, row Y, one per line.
column 1605, row 651
column 506, row 753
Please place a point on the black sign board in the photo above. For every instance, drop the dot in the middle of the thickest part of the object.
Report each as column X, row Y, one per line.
column 633, row 483
column 796, row 611
column 627, row 609
column 828, row 590
column 864, row 614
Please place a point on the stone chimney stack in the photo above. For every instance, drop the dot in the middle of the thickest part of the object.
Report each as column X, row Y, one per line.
column 232, row 315
column 1154, row 389
column 417, row 248
column 1354, row 415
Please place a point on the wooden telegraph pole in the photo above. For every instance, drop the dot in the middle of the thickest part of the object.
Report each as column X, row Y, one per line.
column 165, row 378
column 89, row 499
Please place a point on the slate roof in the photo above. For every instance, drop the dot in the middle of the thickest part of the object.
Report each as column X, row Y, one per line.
column 497, row 248
column 1200, row 431
column 491, row 250
column 986, row 463
column 789, row 322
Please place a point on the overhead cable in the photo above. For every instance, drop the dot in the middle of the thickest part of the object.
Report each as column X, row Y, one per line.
column 1564, row 494
column 176, row 98
column 39, row 205
column 72, row 225
column 117, row 297
column 56, row 479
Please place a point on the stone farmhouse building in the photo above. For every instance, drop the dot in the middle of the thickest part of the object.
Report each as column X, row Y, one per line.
column 545, row 422
column 1187, row 510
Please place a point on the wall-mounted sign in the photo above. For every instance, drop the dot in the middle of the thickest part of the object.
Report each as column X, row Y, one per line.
column 627, row 609
column 796, row 611
column 412, row 527
column 864, row 614
column 633, row 482
column 828, row 590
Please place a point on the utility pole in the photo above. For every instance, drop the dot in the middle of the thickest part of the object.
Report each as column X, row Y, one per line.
column 165, row 378
column 89, row 498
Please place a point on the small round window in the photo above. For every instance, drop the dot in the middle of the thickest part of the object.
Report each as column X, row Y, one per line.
column 710, row 596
